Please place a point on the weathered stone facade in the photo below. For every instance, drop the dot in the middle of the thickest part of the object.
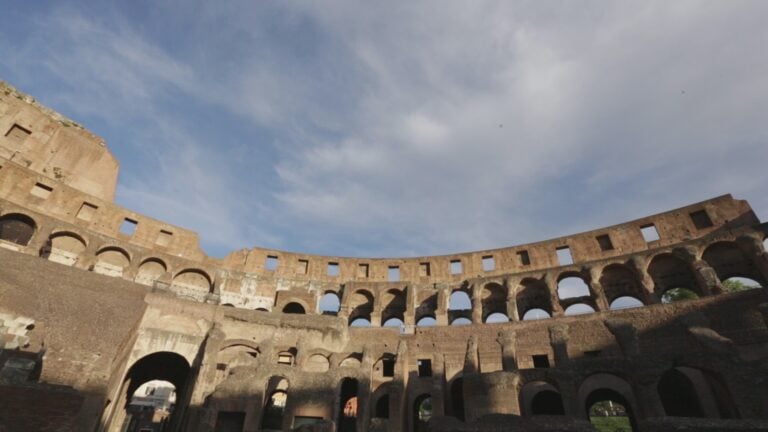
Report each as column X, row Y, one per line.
column 89, row 313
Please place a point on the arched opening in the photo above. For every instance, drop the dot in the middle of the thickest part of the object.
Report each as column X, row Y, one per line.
column 274, row 408
column 678, row 294
column 382, row 407
column 678, row 396
column 151, row 392
column 609, row 411
column 461, row 321
column 738, row 284
column 422, row 412
column 572, row 287
column 579, row 309
column 294, row 308
column 17, row 228
column 426, row 321
column 393, row 322
column 533, row 294
column 457, row 398
column 233, row 356
column 360, row 322
column 151, row 406
column 459, row 301
column 625, row 302
column 620, row 281
column 547, row 402
column 353, row 361
column 690, row 392
column 150, row 270
column 317, row 363
column 494, row 301
column 329, row 304
column 347, row 418
column 192, row 283
column 536, row 314
column 65, row 248
column 728, row 260
column 496, row 317
column 668, row 272
column 111, row 261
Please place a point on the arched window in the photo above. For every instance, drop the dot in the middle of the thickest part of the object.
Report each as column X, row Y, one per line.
column 678, row 395
column 608, row 410
column 17, row 228
column 547, row 402
column 393, row 322
column 422, row 412
column 111, row 261
column 150, row 271
column 678, row 294
column 625, row 302
column 347, row 417
column 272, row 419
column 66, row 248
column 737, row 284
column 579, row 309
column 536, row 314
column 426, row 321
column 494, row 301
column 669, row 271
column 496, row 317
column 330, row 304
column 461, row 321
column 382, row 407
column 360, row 322
column 459, row 301
column 294, row 308
column 571, row 287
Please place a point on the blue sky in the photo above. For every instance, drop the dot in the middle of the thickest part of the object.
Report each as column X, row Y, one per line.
column 406, row 128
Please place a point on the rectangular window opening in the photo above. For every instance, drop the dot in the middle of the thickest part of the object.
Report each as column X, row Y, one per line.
column 17, row 134
column 333, row 269
column 564, row 256
column 164, row 238
column 649, row 233
column 424, row 269
column 456, row 267
column 41, row 191
column 128, row 227
column 303, row 267
column 388, row 367
column 489, row 263
column 605, row 242
column 271, row 263
column 285, row 359
column 362, row 270
column 86, row 212
column 525, row 259
column 425, row 367
column 393, row 273
column 701, row 219
column 541, row 361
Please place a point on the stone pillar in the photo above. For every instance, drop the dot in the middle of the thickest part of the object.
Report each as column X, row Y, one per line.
column 510, row 285
column 550, row 279
column 441, row 313
column 409, row 314
column 558, row 338
column 87, row 258
column 202, row 384
column 364, row 393
column 398, row 398
column 437, row 391
column 39, row 240
column 647, row 396
column 597, row 289
column 508, row 340
column 706, row 278
column 639, row 265
column 477, row 304
column 471, row 358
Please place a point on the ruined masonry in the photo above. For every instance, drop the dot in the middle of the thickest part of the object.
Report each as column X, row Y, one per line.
column 98, row 304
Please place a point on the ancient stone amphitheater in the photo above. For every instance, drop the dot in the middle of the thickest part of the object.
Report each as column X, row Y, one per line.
column 576, row 333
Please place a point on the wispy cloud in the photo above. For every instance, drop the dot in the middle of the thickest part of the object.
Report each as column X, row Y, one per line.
column 414, row 127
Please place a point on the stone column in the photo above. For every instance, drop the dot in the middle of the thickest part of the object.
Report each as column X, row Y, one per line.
column 39, row 240
column 437, row 391
column 511, row 284
column 87, row 258
column 508, row 340
column 441, row 312
column 558, row 338
column 597, row 289
column 477, row 304
column 639, row 264
column 550, row 279
column 705, row 276
column 409, row 314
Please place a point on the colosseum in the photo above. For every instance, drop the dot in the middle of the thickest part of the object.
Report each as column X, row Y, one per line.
column 114, row 321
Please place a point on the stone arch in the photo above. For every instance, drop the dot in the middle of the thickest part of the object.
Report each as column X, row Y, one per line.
column 572, row 285
column 294, row 307
column 353, row 360
column 317, row 363
column 150, row 270
column 329, row 303
column 460, row 300
column 66, row 247
column 272, row 417
column 691, row 392
column 427, row 306
column 669, row 271
column 494, row 300
column 164, row 366
column 421, row 412
column 348, row 405
column 393, row 305
column 728, row 260
column 605, row 386
column 17, row 228
column 533, row 294
column 360, row 305
column 380, row 402
column 234, row 354
column 541, row 398
column 193, row 283
column 111, row 261
column 579, row 309
column 618, row 280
